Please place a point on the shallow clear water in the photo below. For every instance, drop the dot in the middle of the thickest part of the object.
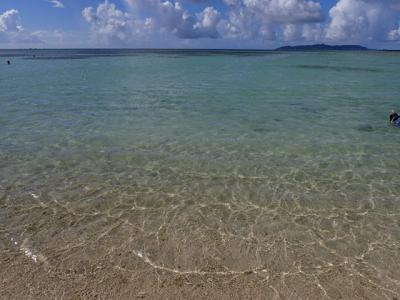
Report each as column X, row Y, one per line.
column 280, row 166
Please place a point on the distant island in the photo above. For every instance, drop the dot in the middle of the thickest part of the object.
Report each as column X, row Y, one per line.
column 323, row 47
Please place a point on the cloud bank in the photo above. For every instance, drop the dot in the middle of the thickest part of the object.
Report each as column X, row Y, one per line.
column 223, row 22
column 242, row 19
column 355, row 21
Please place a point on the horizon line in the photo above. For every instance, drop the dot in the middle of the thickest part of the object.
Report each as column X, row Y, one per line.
column 205, row 49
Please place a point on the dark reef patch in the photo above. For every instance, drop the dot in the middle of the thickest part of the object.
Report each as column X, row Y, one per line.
column 338, row 68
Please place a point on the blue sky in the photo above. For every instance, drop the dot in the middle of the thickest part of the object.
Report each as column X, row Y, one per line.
column 198, row 23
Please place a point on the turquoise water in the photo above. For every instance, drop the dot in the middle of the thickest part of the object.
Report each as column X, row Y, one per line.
column 234, row 153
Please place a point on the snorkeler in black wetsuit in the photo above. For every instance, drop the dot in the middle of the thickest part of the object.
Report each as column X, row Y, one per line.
column 394, row 118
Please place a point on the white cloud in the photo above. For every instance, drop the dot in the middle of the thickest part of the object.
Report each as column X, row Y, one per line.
column 107, row 22
column 361, row 20
column 312, row 32
column 291, row 32
column 11, row 30
column 394, row 35
column 309, row 32
column 9, row 21
column 57, row 3
column 286, row 11
column 267, row 19
column 172, row 17
column 245, row 24
column 150, row 18
column 207, row 23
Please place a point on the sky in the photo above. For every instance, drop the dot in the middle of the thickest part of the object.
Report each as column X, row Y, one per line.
column 244, row 24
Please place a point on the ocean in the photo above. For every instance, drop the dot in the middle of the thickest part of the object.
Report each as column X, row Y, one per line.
column 177, row 174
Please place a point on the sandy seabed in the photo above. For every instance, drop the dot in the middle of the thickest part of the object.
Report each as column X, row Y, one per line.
column 162, row 245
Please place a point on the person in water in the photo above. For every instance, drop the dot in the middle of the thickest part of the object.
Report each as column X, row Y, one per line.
column 8, row 62
column 394, row 118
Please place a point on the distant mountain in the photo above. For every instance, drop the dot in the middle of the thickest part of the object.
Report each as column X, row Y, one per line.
column 323, row 47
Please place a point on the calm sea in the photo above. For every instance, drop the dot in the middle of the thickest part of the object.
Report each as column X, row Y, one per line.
column 275, row 167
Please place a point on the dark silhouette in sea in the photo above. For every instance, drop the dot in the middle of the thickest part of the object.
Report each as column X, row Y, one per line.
column 394, row 118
